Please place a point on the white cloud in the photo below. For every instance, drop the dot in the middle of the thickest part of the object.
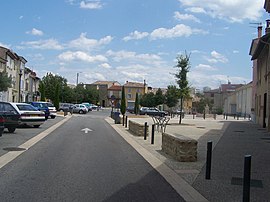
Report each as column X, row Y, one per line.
column 85, row 43
column 231, row 10
column 94, row 4
column 203, row 67
column 179, row 16
column 35, row 32
column 105, row 66
column 136, row 35
column 216, row 57
column 235, row 51
column 21, row 17
column 195, row 10
column 81, row 56
column 49, row 44
column 5, row 45
column 177, row 31
column 133, row 57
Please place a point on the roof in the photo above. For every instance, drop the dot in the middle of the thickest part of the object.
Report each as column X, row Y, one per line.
column 134, row 84
column 264, row 40
column 115, row 88
column 104, row 82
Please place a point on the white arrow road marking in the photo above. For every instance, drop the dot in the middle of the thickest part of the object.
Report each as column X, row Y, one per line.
column 86, row 130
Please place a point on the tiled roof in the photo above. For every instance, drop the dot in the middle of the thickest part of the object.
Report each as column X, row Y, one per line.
column 134, row 84
column 115, row 88
column 104, row 82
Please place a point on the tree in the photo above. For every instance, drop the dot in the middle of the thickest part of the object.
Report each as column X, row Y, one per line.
column 136, row 107
column 5, row 81
column 148, row 100
column 42, row 91
column 123, row 102
column 183, row 65
column 56, row 100
column 171, row 96
column 159, row 97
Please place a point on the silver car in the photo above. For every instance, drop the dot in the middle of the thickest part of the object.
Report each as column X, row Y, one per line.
column 80, row 108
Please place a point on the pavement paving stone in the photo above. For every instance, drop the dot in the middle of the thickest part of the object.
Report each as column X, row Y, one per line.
column 232, row 140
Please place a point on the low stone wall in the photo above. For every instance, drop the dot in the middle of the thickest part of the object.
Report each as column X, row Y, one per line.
column 137, row 129
column 179, row 147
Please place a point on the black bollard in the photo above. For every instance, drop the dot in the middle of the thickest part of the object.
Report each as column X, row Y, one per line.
column 193, row 116
column 208, row 160
column 123, row 120
column 153, row 132
column 126, row 121
column 246, row 179
column 226, row 116
column 145, row 130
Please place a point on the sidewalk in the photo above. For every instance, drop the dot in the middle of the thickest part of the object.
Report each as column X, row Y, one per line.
column 232, row 140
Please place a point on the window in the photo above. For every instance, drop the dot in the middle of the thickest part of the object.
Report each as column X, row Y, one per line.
column 129, row 96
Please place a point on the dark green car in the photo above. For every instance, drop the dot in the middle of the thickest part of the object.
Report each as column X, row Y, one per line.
column 9, row 117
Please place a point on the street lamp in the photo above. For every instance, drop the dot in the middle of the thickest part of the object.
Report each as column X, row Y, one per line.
column 77, row 81
column 20, row 77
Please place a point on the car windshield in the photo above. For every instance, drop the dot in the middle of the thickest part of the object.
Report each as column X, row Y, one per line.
column 50, row 105
column 22, row 107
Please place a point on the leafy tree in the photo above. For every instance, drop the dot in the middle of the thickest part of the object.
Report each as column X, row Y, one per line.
column 171, row 96
column 56, row 100
column 5, row 81
column 123, row 102
column 136, row 107
column 42, row 91
column 51, row 83
column 148, row 100
column 183, row 65
column 159, row 97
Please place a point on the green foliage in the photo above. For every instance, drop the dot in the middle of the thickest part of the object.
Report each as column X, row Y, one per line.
column 56, row 100
column 148, row 100
column 123, row 101
column 5, row 81
column 200, row 106
column 182, row 66
column 42, row 91
column 159, row 97
column 171, row 96
column 51, row 83
column 136, row 107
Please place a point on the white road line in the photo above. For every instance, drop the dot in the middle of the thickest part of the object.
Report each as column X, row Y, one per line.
column 10, row 156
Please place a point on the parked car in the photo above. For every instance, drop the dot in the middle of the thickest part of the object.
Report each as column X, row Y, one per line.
column 88, row 105
column 1, row 125
column 9, row 116
column 152, row 111
column 52, row 110
column 42, row 106
column 30, row 115
column 94, row 107
column 80, row 108
column 130, row 109
column 66, row 107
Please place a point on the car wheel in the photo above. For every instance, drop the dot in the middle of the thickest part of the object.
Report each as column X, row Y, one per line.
column 52, row 117
column 11, row 130
column 46, row 117
column 81, row 112
column 36, row 126
column 61, row 110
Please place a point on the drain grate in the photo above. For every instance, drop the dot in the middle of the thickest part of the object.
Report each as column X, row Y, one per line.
column 14, row 149
column 253, row 183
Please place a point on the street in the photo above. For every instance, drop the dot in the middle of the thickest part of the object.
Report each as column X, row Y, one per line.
column 82, row 160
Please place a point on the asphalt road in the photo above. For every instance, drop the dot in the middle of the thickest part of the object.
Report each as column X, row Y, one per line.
column 74, row 165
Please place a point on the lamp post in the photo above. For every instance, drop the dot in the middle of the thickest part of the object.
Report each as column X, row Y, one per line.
column 20, row 77
column 77, row 81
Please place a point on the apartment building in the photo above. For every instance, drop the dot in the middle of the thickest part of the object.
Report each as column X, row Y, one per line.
column 131, row 88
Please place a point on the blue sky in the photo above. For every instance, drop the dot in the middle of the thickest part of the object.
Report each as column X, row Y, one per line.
column 133, row 40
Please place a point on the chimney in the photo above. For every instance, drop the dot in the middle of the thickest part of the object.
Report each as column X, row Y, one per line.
column 259, row 31
column 267, row 29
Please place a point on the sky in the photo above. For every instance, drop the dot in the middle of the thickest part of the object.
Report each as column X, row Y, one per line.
column 134, row 40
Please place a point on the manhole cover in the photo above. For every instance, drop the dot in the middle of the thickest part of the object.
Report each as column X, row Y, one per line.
column 253, row 183
column 14, row 149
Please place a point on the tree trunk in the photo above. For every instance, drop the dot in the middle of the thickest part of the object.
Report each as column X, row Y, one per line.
column 181, row 108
